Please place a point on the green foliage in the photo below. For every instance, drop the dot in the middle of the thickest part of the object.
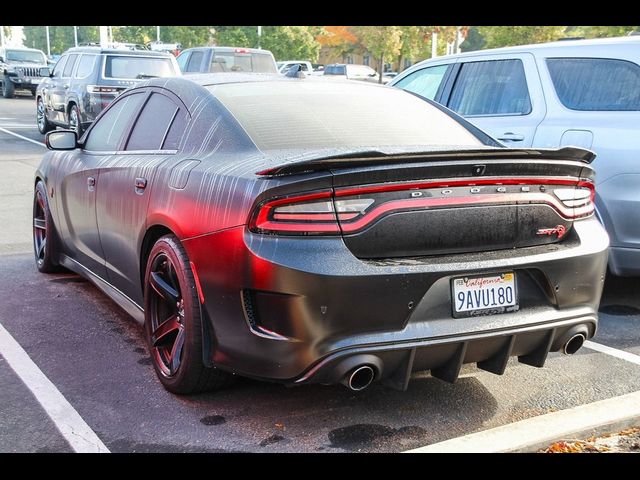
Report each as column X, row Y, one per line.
column 291, row 43
column 603, row 31
column 384, row 42
column 61, row 38
column 229, row 36
column 501, row 36
column 7, row 32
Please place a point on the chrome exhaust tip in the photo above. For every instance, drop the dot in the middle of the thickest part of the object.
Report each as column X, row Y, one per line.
column 573, row 344
column 359, row 378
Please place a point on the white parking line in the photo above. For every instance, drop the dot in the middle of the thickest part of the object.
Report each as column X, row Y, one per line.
column 21, row 136
column 66, row 419
column 544, row 429
column 614, row 352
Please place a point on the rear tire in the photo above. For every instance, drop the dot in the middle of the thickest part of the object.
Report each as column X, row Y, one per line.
column 7, row 88
column 45, row 240
column 173, row 324
column 74, row 120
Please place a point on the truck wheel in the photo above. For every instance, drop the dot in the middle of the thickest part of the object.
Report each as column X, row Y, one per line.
column 7, row 89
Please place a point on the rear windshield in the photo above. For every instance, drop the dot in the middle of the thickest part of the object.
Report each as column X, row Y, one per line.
column 25, row 56
column 242, row 62
column 310, row 114
column 129, row 66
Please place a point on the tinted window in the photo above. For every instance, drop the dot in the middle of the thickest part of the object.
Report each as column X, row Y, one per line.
column 182, row 60
column 195, row 61
column 25, row 56
column 152, row 124
column 338, row 115
column 85, row 66
column 424, row 82
column 68, row 68
column 497, row 87
column 176, row 131
column 596, row 83
column 130, row 66
column 107, row 132
column 242, row 62
column 57, row 70
column 336, row 70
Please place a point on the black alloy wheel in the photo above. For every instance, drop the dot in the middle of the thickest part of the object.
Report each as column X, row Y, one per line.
column 45, row 245
column 74, row 121
column 173, row 323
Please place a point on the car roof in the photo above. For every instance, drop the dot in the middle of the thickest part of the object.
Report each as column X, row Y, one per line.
column 229, row 49
column 118, row 51
column 24, row 49
column 551, row 46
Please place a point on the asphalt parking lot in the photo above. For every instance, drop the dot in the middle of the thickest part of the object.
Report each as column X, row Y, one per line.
column 96, row 357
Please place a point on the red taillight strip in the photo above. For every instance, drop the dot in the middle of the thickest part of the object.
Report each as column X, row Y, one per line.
column 314, row 217
column 393, row 187
column 418, row 203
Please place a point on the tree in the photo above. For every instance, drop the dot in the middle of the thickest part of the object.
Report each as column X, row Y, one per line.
column 291, row 43
column 340, row 39
column 603, row 31
column 7, row 33
column 520, row 35
column 236, row 36
column 384, row 42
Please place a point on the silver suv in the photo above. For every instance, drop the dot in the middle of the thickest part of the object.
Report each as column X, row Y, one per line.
column 582, row 92
column 20, row 70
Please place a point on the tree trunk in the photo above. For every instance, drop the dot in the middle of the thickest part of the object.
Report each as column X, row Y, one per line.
column 400, row 58
column 381, row 67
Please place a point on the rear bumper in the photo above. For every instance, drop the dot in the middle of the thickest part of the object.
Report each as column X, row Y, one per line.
column 301, row 310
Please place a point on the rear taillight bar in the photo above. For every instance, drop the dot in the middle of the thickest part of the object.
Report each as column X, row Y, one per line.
column 352, row 209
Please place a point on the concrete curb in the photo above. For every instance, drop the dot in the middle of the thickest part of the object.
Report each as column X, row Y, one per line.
column 535, row 433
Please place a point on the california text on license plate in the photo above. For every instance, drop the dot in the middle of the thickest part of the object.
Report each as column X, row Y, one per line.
column 484, row 295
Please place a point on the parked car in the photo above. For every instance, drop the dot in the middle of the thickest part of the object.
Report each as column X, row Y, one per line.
column 87, row 79
column 226, row 59
column 379, row 236
column 583, row 92
column 20, row 70
column 351, row 71
column 305, row 66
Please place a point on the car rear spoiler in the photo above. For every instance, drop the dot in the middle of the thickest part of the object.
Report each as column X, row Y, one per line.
column 372, row 158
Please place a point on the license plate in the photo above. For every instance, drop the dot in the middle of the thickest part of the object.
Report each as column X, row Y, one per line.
column 484, row 295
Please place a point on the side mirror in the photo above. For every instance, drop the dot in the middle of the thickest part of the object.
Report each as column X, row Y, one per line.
column 61, row 140
column 1, row 59
column 373, row 74
column 44, row 72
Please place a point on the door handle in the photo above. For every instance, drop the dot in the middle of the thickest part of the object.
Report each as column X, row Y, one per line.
column 65, row 86
column 140, row 184
column 511, row 137
column 91, row 184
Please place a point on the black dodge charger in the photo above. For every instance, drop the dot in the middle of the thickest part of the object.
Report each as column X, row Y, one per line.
column 304, row 231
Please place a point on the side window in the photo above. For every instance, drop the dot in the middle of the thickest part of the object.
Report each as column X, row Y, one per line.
column 176, row 131
column 85, row 66
column 496, row 87
column 182, row 60
column 195, row 61
column 151, row 126
column 596, row 83
column 57, row 70
column 106, row 133
column 424, row 82
column 68, row 68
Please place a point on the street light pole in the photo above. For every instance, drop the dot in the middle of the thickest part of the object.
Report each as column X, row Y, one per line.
column 75, row 35
column 158, row 33
column 48, row 42
column 259, row 35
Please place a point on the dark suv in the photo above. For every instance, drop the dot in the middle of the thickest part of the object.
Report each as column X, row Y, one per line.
column 20, row 69
column 226, row 59
column 87, row 79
